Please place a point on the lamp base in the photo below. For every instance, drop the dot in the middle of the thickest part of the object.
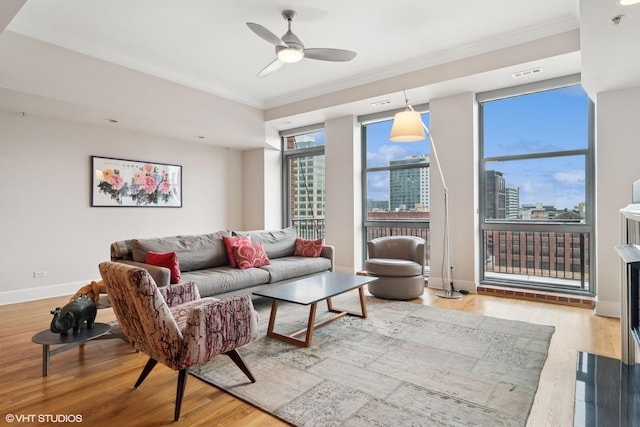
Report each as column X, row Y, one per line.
column 449, row 294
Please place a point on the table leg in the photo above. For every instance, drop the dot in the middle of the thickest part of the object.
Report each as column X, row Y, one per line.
column 341, row 312
column 311, row 324
column 45, row 360
column 363, row 302
column 292, row 338
column 272, row 316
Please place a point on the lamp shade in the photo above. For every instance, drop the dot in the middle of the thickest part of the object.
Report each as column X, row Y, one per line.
column 407, row 127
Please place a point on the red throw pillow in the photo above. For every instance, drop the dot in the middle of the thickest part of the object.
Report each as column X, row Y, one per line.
column 250, row 256
column 230, row 242
column 308, row 248
column 168, row 260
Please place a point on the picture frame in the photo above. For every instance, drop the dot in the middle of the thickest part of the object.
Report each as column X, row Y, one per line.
column 133, row 183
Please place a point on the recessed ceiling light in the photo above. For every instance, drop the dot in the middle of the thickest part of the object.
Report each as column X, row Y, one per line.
column 381, row 103
column 111, row 120
column 528, row 72
column 628, row 2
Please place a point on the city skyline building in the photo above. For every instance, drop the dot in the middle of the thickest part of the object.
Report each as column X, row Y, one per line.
column 512, row 202
column 307, row 191
column 409, row 187
column 495, row 202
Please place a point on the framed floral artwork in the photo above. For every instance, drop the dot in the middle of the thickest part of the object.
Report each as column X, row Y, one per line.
column 132, row 183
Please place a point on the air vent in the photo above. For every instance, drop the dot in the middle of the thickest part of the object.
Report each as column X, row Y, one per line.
column 381, row 103
column 525, row 73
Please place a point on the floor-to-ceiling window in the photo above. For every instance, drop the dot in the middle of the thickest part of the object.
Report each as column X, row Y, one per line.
column 395, row 182
column 536, row 186
column 304, row 182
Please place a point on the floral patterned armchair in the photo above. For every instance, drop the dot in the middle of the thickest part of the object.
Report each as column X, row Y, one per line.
column 176, row 327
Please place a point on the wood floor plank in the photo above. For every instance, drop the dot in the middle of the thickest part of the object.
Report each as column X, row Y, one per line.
column 96, row 381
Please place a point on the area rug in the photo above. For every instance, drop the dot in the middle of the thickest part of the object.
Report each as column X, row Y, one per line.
column 405, row 365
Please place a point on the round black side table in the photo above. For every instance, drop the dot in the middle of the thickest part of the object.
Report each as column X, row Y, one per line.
column 48, row 338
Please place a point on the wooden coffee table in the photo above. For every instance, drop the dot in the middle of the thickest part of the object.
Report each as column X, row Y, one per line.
column 310, row 291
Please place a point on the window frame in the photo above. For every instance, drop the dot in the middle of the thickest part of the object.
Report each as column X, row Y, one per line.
column 531, row 226
column 416, row 223
column 287, row 156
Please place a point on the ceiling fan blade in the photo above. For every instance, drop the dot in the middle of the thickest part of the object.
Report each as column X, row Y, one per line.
column 271, row 68
column 266, row 34
column 323, row 54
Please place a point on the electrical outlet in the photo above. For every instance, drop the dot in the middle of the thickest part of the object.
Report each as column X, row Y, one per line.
column 39, row 274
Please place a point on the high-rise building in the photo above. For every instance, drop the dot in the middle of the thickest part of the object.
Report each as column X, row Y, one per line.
column 307, row 191
column 495, row 195
column 409, row 187
column 512, row 203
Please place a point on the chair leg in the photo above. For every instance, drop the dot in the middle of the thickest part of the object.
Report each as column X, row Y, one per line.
column 147, row 368
column 182, row 382
column 235, row 356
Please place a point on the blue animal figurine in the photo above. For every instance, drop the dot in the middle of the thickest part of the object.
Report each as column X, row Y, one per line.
column 72, row 315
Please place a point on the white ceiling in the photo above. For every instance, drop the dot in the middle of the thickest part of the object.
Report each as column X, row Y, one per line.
column 201, row 52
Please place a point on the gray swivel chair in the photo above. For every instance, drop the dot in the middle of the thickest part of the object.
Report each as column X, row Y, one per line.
column 398, row 263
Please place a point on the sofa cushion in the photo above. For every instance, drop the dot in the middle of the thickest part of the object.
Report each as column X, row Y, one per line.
column 309, row 248
column 168, row 260
column 230, row 242
column 276, row 243
column 194, row 252
column 214, row 281
column 294, row 266
column 248, row 256
column 121, row 250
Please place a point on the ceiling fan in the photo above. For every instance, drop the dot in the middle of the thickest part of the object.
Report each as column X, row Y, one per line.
column 290, row 49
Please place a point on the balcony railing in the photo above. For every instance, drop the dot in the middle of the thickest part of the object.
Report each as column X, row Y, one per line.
column 309, row 228
column 313, row 228
column 550, row 259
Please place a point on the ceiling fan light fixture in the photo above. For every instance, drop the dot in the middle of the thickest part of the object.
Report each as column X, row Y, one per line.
column 289, row 47
column 289, row 54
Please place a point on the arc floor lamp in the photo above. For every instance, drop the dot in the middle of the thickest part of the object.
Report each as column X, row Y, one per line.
column 409, row 127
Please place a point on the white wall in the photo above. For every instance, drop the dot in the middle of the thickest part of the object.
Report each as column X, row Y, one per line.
column 262, row 189
column 617, row 167
column 48, row 224
column 344, row 192
column 253, row 189
column 453, row 126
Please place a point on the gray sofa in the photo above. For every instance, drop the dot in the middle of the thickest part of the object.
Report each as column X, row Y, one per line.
column 203, row 260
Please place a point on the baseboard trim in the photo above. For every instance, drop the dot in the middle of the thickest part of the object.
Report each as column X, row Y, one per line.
column 608, row 308
column 541, row 296
column 43, row 292
column 459, row 285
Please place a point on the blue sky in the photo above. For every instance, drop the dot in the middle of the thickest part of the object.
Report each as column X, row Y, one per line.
column 548, row 121
column 380, row 150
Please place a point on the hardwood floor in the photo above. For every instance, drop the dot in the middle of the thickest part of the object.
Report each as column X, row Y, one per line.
column 96, row 382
